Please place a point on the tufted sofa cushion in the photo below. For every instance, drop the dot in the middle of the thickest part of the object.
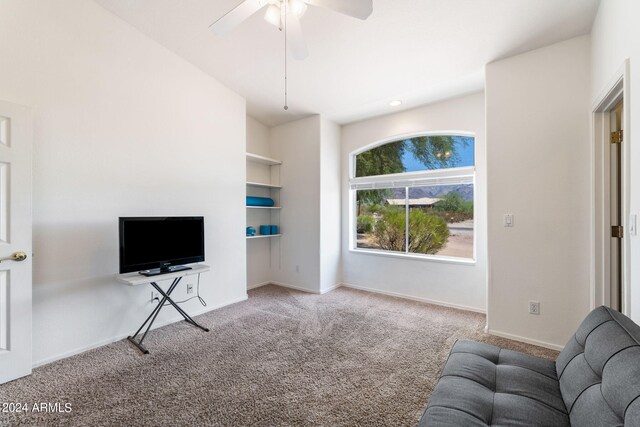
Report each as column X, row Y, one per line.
column 483, row 385
column 599, row 371
column 594, row 382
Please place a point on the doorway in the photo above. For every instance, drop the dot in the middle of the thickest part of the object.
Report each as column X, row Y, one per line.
column 612, row 224
column 616, row 139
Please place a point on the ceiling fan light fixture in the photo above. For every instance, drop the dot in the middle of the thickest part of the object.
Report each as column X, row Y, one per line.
column 281, row 12
column 298, row 7
column 395, row 103
column 272, row 15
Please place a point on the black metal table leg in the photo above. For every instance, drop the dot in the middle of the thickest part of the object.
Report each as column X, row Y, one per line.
column 151, row 319
column 166, row 296
column 187, row 318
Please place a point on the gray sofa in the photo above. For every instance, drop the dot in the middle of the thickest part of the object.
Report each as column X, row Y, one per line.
column 594, row 382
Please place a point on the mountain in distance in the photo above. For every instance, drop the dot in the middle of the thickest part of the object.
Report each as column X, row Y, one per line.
column 465, row 191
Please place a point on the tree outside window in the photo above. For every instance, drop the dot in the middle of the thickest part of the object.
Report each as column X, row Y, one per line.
column 424, row 219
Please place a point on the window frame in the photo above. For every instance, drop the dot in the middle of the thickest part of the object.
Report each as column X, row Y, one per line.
column 408, row 180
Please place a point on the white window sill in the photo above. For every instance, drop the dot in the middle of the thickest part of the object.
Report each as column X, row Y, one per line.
column 417, row 257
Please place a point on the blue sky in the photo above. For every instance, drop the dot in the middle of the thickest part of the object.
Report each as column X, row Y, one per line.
column 466, row 155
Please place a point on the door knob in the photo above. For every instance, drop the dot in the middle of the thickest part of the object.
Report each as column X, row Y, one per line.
column 18, row 256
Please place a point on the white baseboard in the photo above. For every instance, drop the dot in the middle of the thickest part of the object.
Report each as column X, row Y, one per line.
column 297, row 288
column 330, row 288
column 524, row 340
column 410, row 297
column 257, row 285
column 111, row 340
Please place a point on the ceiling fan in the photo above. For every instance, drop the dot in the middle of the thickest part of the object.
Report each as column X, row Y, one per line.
column 287, row 13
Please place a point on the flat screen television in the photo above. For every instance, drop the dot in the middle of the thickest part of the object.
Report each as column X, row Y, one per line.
column 159, row 245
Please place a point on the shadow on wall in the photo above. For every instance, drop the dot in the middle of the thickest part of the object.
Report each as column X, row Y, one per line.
column 70, row 253
column 74, row 267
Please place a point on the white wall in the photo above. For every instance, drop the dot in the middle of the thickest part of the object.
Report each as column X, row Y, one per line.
column 538, row 162
column 296, row 259
column 330, row 194
column 614, row 38
column 122, row 127
column 258, row 250
column 257, row 138
column 446, row 283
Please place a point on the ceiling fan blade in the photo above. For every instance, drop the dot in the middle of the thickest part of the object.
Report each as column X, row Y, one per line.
column 295, row 38
column 235, row 16
column 360, row 9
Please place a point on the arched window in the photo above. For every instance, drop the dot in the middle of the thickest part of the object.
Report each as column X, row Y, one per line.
column 415, row 195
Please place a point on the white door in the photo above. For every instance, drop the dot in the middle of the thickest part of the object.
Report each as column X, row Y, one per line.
column 15, row 241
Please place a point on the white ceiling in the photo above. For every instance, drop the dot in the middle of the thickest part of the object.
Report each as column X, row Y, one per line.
column 418, row 51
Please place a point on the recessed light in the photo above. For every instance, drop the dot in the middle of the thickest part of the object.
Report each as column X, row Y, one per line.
column 395, row 103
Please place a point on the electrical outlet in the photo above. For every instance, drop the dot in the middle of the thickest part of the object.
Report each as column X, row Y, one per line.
column 534, row 307
column 189, row 288
column 155, row 296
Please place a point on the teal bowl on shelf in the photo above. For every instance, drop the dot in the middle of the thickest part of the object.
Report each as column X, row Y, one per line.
column 251, row 231
column 265, row 230
column 274, row 229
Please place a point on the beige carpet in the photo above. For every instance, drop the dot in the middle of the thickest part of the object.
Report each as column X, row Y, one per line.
column 282, row 358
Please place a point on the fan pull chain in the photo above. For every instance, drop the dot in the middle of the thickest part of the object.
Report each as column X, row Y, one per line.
column 286, row 106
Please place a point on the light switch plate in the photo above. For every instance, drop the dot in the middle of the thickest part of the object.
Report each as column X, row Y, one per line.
column 633, row 225
column 508, row 220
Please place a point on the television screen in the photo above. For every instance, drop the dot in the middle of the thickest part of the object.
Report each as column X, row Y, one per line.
column 160, row 242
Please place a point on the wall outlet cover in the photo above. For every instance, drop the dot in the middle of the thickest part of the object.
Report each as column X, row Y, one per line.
column 534, row 307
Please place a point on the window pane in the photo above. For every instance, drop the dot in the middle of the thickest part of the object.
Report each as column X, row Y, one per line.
column 421, row 153
column 381, row 219
column 441, row 220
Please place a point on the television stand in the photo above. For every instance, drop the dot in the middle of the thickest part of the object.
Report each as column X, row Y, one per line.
column 135, row 279
column 164, row 270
